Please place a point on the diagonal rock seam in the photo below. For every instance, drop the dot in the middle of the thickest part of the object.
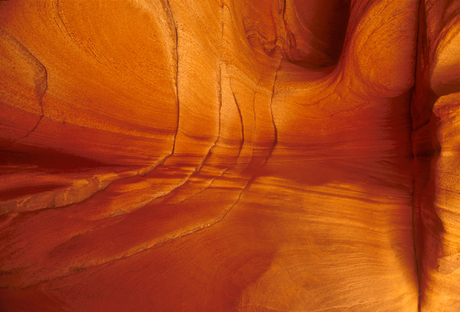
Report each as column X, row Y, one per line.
column 41, row 84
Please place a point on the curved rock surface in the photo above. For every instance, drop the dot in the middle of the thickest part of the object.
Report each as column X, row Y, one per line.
column 229, row 155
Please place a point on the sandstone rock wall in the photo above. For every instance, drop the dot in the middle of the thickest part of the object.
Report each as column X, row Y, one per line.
column 229, row 155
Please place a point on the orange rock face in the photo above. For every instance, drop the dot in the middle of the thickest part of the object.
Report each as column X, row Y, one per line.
column 229, row 155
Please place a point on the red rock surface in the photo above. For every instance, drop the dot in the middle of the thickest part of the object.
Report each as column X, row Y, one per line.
column 229, row 155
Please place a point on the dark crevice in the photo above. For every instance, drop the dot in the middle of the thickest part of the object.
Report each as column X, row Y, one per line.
column 172, row 23
column 417, row 224
column 240, row 115
column 242, row 125
column 275, row 129
column 322, row 30
column 254, row 128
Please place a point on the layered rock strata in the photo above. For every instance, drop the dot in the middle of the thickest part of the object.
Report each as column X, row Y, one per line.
column 229, row 155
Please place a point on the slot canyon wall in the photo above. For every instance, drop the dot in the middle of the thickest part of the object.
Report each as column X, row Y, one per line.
column 230, row 155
